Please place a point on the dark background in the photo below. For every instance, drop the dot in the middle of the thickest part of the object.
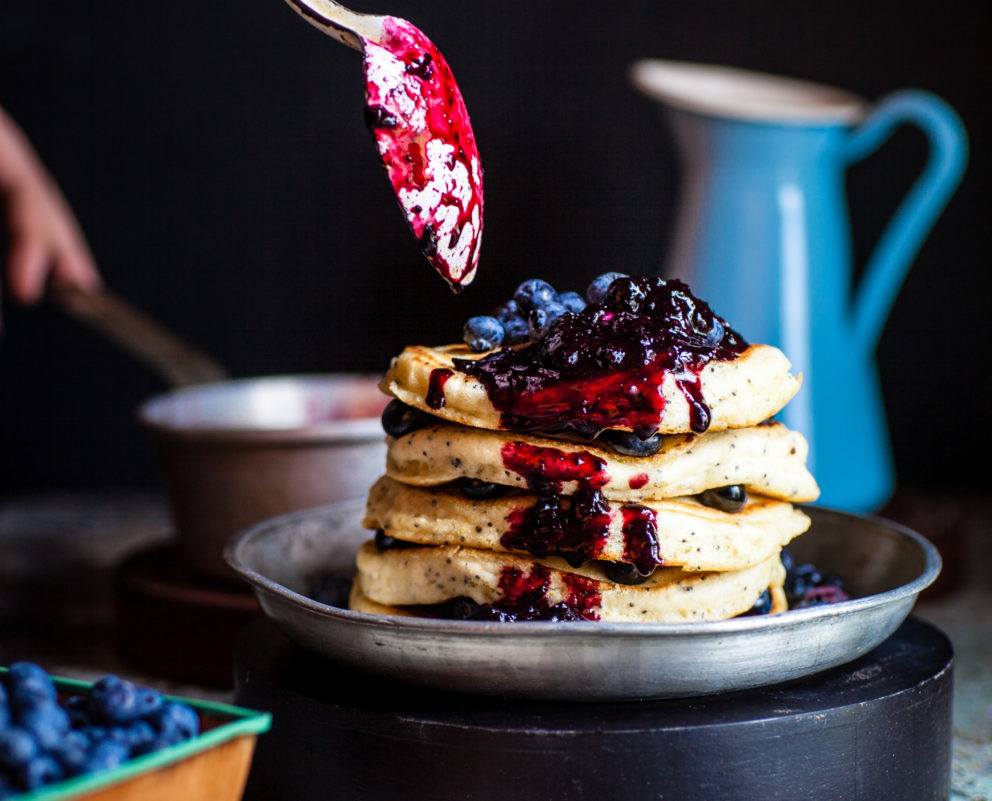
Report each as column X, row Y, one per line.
column 216, row 156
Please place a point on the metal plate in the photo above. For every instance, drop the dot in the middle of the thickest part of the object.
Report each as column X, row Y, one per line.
column 885, row 566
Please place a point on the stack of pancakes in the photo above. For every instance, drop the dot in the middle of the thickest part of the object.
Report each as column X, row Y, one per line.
column 478, row 521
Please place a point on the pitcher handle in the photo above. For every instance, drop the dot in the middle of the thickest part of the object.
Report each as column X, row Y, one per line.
column 909, row 226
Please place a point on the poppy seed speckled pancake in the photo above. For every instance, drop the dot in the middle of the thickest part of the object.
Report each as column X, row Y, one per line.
column 768, row 460
column 424, row 576
column 686, row 533
column 740, row 392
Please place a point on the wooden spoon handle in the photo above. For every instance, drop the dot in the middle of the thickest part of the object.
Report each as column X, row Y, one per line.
column 340, row 23
column 138, row 334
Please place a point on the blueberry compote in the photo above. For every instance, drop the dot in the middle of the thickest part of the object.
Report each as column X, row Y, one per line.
column 524, row 596
column 421, row 127
column 604, row 367
column 435, row 387
column 574, row 527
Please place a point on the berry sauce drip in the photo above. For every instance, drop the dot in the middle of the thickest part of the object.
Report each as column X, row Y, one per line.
column 546, row 469
column 638, row 481
column 574, row 528
column 604, row 367
column 422, row 129
column 640, row 538
column 525, row 595
column 435, row 387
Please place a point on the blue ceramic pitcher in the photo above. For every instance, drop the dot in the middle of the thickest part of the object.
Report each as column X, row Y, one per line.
column 763, row 235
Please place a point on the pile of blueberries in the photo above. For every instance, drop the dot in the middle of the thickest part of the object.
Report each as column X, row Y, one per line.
column 43, row 741
column 530, row 313
column 806, row 585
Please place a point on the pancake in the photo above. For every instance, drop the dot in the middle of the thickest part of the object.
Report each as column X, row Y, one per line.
column 769, row 460
column 740, row 393
column 425, row 576
column 689, row 535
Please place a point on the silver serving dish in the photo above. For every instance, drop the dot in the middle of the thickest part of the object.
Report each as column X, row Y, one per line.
column 885, row 566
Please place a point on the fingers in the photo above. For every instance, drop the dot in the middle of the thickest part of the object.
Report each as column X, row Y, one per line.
column 27, row 267
column 30, row 250
column 73, row 263
column 46, row 242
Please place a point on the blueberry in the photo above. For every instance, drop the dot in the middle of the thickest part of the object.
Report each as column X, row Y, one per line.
column 139, row 733
column 800, row 580
column 628, row 443
column 726, row 499
column 561, row 613
column 48, row 722
column 158, row 743
column 176, row 718
column 478, row 490
column 508, row 311
column 534, row 294
column 7, row 790
column 572, row 301
column 515, row 331
column 483, row 333
column 148, row 701
column 788, row 560
column 398, row 419
column 386, row 543
column 629, row 294
column 4, row 710
column 331, row 590
column 762, row 606
column 17, row 746
column 40, row 771
column 72, row 752
column 830, row 592
column 113, row 700
column 540, row 320
column 105, row 755
column 76, row 707
column 600, row 286
column 624, row 573
column 463, row 608
column 22, row 671
column 4, row 700
column 714, row 335
column 94, row 734
column 30, row 684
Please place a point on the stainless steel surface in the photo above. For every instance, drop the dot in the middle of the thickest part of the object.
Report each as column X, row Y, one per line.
column 885, row 565
column 238, row 452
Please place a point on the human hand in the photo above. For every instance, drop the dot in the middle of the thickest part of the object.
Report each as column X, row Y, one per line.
column 45, row 240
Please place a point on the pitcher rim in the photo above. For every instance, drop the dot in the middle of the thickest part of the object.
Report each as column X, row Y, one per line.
column 731, row 92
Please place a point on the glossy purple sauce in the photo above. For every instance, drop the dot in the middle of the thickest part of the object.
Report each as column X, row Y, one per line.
column 604, row 367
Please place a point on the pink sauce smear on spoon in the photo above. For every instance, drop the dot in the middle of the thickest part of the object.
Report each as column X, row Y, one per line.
column 422, row 130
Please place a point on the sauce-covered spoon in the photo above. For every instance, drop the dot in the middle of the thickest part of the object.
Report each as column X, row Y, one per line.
column 422, row 130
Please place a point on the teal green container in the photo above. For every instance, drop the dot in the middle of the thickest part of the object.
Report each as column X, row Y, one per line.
column 211, row 767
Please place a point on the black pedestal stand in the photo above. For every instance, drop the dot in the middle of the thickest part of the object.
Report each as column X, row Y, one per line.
column 878, row 729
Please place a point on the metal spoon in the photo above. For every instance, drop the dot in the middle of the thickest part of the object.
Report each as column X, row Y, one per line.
column 347, row 26
column 422, row 131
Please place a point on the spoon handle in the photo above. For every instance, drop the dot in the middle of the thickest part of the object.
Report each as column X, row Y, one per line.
column 138, row 334
column 340, row 23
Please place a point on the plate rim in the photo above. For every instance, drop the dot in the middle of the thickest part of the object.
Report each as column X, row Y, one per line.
column 932, row 564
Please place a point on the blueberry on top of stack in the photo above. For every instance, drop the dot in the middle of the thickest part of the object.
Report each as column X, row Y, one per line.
column 44, row 740
column 606, row 458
